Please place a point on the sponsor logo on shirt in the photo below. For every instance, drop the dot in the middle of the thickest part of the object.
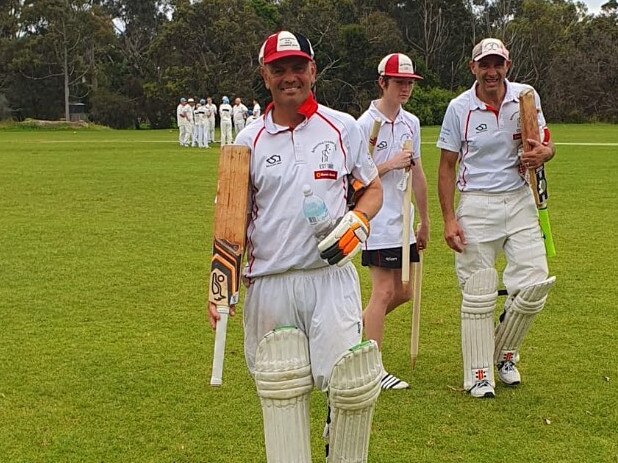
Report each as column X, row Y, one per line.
column 481, row 128
column 325, row 174
column 274, row 160
column 382, row 145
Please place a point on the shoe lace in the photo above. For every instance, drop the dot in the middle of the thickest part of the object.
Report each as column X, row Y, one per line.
column 482, row 383
column 507, row 366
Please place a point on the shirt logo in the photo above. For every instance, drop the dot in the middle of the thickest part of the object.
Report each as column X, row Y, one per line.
column 481, row 128
column 382, row 145
column 324, row 150
column 274, row 160
column 325, row 175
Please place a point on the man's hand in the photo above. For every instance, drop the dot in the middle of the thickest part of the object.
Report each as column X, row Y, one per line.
column 401, row 160
column 538, row 155
column 214, row 316
column 422, row 236
column 454, row 236
column 342, row 244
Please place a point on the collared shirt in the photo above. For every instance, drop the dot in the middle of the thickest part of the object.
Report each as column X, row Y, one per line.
column 320, row 152
column 487, row 139
column 386, row 225
column 225, row 112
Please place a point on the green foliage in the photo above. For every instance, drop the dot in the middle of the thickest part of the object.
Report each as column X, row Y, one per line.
column 112, row 109
column 5, row 110
column 429, row 104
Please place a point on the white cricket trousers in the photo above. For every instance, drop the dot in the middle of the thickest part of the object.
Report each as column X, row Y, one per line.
column 239, row 124
column 202, row 138
column 210, row 129
column 226, row 133
column 496, row 222
column 324, row 303
column 184, row 134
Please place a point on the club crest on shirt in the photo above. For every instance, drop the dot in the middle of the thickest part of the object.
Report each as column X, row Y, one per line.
column 404, row 137
column 323, row 151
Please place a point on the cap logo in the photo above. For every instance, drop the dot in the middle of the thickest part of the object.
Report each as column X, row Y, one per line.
column 287, row 43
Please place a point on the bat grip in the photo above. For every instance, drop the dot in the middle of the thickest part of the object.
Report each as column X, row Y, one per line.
column 220, row 333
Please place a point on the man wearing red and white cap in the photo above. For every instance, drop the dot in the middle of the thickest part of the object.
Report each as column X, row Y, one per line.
column 302, row 316
column 383, row 249
column 481, row 156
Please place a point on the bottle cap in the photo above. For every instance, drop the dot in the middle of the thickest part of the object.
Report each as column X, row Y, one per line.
column 307, row 190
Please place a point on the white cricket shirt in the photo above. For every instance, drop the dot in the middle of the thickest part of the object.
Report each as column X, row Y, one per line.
column 487, row 140
column 386, row 226
column 320, row 152
column 225, row 112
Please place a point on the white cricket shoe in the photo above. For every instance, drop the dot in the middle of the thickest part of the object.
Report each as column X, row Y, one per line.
column 482, row 389
column 389, row 381
column 508, row 373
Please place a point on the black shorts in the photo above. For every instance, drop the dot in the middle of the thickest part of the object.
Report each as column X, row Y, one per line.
column 387, row 258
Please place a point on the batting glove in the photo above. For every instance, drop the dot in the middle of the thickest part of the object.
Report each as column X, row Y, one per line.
column 342, row 244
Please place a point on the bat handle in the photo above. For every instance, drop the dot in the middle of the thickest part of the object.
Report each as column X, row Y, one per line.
column 221, row 331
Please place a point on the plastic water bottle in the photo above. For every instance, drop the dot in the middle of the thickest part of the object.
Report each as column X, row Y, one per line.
column 316, row 213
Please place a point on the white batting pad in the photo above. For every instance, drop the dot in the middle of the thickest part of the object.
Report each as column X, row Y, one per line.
column 353, row 391
column 518, row 318
column 480, row 294
column 284, row 383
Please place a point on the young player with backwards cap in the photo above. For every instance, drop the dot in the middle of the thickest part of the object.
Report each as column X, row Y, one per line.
column 302, row 313
column 383, row 249
column 496, row 213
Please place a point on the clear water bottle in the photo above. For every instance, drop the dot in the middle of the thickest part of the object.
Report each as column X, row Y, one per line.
column 316, row 213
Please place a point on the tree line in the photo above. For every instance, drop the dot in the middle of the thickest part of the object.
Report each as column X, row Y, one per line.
column 130, row 61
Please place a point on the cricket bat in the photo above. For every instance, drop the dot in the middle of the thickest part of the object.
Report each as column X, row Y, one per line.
column 357, row 186
column 538, row 182
column 416, row 309
column 229, row 237
column 405, row 231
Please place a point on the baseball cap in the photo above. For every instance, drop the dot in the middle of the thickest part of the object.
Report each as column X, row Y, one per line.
column 191, row 100
column 397, row 65
column 283, row 44
column 488, row 47
column 183, row 100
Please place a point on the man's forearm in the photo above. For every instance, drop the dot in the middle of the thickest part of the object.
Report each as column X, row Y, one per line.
column 371, row 200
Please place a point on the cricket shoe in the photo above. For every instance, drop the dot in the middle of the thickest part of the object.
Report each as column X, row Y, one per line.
column 508, row 373
column 389, row 381
column 482, row 389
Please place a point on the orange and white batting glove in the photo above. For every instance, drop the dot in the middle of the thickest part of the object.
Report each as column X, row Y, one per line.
column 346, row 239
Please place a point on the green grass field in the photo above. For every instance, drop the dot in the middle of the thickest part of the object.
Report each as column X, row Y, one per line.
column 105, row 349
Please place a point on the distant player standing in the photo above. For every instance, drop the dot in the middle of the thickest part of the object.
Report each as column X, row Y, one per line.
column 256, row 109
column 225, row 116
column 383, row 249
column 211, row 112
column 192, row 140
column 239, row 114
column 302, row 316
column 182, row 119
column 202, row 124
column 496, row 213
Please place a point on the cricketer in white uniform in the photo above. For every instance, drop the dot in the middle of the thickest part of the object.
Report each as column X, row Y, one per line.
column 184, row 124
column 210, row 112
column 201, row 123
column 225, row 116
column 297, row 142
column 192, row 138
column 481, row 156
column 383, row 249
column 239, row 114
column 257, row 110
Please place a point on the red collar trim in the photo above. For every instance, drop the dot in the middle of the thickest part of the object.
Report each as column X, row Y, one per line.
column 307, row 109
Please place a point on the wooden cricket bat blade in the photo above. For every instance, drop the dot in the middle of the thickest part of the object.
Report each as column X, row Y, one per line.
column 229, row 237
column 416, row 309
